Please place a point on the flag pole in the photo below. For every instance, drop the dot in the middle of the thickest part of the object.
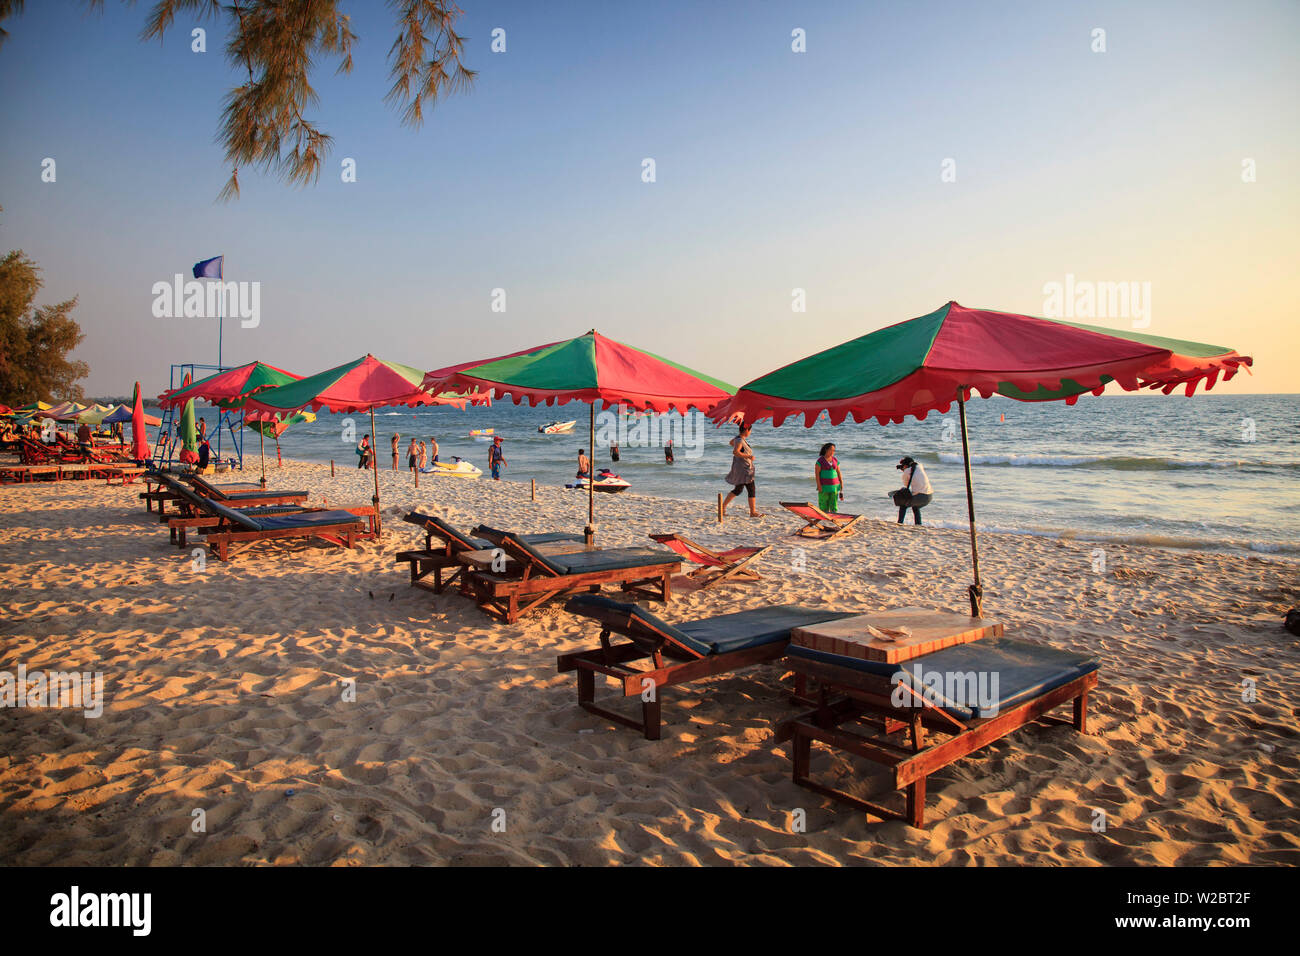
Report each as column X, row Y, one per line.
column 976, row 589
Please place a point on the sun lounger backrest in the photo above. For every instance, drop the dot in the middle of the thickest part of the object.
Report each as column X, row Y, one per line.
column 687, row 549
column 523, row 551
column 635, row 623
column 213, row 507
column 449, row 533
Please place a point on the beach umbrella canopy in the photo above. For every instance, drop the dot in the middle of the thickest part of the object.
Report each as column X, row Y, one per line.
column 927, row 363
column 272, row 427
column 95, row 414
column 590, row 368
column 64, row 411
column 228, row 388
column 123, row 413
column 189, row 453
column 357, row 386
column 139, row 440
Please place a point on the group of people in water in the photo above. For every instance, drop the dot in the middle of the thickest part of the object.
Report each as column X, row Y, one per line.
column 915, row 494
column 418, row 455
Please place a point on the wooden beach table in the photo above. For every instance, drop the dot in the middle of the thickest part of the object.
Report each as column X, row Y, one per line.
column 987, row 687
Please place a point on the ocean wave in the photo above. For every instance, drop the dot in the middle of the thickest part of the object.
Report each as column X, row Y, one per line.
column 1145, row 539
column 1119, row 463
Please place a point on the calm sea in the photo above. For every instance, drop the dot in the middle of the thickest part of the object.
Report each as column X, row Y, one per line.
column 1206, row 472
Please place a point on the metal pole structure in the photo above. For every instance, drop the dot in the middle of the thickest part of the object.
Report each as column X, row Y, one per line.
column 589, row 532
column 261, row 442
column 373, row 440
column 976, row 589
column 221, row 319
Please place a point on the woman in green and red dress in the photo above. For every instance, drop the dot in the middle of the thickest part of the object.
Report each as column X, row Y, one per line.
column 830, row 483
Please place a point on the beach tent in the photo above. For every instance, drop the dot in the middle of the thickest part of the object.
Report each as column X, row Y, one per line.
column 64, row 411
column 357, row 386
column 590, row 368
column 927, row 363
column 95, row 414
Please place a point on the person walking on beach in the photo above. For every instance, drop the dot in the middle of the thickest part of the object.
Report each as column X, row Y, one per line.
column 496, row 458
column 741, row 475
column 917, row 483
column 411, row 451
column 363, row 452
column 584, row 464
column 396, row 438
column 829, row 480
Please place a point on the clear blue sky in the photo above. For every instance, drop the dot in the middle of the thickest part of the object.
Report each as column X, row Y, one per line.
column 775, row 170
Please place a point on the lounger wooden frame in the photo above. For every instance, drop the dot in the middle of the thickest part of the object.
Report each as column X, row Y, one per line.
column 180, row 526
column 723, row 568
column 670, row 663
column 816, row 528
column 433, row 560
column 511, row 597
column 222, row 541
column 848, row 696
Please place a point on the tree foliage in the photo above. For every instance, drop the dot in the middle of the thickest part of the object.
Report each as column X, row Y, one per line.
column 274, row 46
column 35, row 340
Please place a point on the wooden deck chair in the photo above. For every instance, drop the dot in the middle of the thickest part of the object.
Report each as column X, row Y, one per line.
column 335, row 526
column 160, row 488
column 240, row 498
column 435, row 560
column 213, row 519
column 986, row 689
column 646, row 572
column 714, row 567
column 822, row 525
column 676, row 653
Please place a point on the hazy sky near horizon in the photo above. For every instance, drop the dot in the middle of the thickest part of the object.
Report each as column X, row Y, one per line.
column 775, row 170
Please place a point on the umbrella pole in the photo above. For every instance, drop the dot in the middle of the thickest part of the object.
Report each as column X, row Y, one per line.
column 976, row 590
column 589, row 532
column 374, row 442
column 261, row 445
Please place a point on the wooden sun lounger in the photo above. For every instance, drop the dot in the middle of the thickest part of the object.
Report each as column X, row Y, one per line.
column 436, row 560
column 1033, row 680
column 714, row 567
column 160, row 488
column 337, row 525
column 821, row 525
column 646, row 572
column 677, row 653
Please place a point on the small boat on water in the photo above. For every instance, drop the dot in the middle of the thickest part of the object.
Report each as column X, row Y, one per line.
column 606, row 481
column 556, row 428
column 456, row 468
column 483, row 434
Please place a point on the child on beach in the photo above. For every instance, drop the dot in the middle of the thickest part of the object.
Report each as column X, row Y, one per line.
column 496, row 458
column 830, row 483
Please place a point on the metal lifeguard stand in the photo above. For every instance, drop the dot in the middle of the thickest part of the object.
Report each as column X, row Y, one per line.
column 230, row 421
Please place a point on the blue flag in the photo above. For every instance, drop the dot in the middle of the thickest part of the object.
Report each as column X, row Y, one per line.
column 209, row 268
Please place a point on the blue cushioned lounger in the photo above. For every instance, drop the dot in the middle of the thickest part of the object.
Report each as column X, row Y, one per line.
column 699, row 648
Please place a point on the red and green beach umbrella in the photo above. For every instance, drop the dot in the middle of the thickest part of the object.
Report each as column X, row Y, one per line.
column 589, row 368
column 358, row 386
column 927, row 363
column 228, row 389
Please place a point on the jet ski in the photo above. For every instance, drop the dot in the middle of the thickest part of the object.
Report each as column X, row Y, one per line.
column 456, row 468
column 556, row 428
column 606, row 480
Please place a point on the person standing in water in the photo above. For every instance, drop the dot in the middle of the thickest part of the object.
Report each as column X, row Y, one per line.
column 668, row 452
column 917, row 482
column 396, row 446
column 741, row 475
column 829, row 480
column 613, row 453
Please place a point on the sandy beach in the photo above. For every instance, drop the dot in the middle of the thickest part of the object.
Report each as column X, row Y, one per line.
column 225, row 687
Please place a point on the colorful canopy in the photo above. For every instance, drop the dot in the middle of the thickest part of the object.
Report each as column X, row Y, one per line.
column 272, row 427
column 589, row 368
column 916, row 366
column 122, row 413
column 227, row 389
column 64, row 411
column 363, row 384
column 95, row 414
